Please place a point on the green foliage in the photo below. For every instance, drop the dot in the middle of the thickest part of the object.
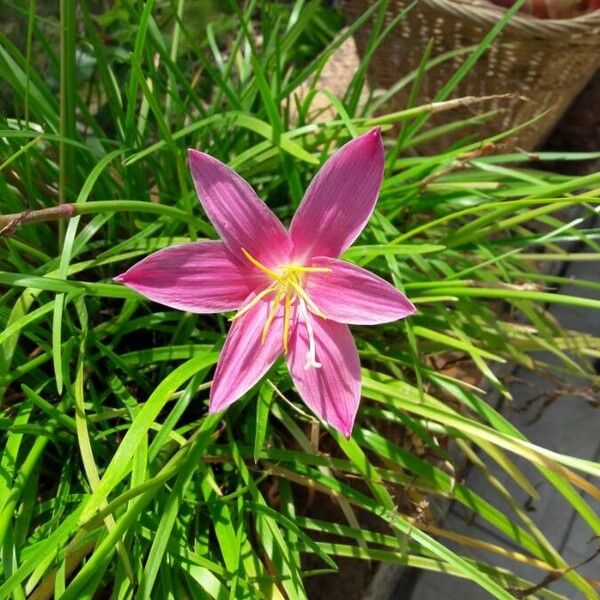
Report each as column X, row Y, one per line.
column 113, row 478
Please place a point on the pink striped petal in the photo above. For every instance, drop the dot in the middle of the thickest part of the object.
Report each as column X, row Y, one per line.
column 244, row 358
column 202, row 277
column 332, row 391
column 340, row 199
column 239, row 216
column 351, row 294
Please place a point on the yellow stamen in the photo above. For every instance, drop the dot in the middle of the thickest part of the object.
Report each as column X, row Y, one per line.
column 286, row 322
column 262, row 267
column 302, row 269
column 307, row 299
column 271, row 316
column 288, row 285
column 253, row 302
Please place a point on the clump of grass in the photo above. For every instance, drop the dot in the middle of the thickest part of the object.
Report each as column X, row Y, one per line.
column 112, row 476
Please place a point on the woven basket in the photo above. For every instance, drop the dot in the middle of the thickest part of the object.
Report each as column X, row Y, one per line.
column 547, row 61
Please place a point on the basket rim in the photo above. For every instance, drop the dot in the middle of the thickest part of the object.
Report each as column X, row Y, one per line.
column 587, row 24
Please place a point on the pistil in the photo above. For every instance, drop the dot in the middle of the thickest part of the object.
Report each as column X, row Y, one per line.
column 311, row 354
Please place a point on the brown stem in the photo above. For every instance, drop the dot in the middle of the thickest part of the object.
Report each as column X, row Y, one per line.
column 10, row 223
column 461, row 162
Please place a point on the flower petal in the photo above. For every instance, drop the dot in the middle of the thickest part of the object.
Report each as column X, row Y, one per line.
column 244, row 358
column 351, row 294
column 340, row 199
column 239, row 216
column 202, row 277
column 333, row 390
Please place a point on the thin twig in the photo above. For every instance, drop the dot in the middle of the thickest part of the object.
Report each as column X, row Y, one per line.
column 462, row 162
column 552, row 577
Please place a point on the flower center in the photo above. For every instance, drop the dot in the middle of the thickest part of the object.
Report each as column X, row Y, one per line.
column 287, row 287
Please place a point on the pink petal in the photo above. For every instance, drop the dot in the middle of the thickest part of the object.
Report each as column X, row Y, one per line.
column 332, row 391
column 240, row 217
column 340, row 199
column 244, row 358
column 351, row 294
column 201, row 277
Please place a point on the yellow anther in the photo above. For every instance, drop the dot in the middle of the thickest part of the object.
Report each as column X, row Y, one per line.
column 253, row 302
column 262, row 267
column 301, row 269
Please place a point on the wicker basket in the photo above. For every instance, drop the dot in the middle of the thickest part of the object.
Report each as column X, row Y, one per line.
column 547, row 61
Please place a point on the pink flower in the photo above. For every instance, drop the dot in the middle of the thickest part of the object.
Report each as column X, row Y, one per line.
column 291, row 291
